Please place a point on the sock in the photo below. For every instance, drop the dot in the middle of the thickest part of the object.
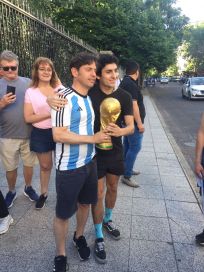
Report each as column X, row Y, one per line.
column 98, row 230
column 13, row 191
column 108, row 215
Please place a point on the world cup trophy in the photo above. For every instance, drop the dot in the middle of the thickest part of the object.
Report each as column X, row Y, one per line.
column 110, row 110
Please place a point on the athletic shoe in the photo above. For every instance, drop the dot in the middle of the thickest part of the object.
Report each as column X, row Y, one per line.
column 99, row 251
column 5, row 223
column 81, row 245
column 60, row 264
column 40, row 202
column 111, row 230
column 9, row 199
column 200, row 238
column 129, row 182
column 30, row 193
column 135, row 173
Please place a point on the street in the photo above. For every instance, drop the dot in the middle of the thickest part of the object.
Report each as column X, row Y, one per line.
column 182, row 117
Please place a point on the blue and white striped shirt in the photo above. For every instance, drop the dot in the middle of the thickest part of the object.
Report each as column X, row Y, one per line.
column 78, row 116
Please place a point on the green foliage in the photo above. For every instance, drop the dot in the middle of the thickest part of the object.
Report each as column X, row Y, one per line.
column 147, row 31
column 193, row 46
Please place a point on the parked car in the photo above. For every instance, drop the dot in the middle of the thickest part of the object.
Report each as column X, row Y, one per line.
column 193, row 88
column 164, row 80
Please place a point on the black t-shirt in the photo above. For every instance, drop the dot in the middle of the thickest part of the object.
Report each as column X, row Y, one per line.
column 130, row 85
column 97, row 96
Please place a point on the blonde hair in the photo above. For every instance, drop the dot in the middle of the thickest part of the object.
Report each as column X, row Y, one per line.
column 54, row 81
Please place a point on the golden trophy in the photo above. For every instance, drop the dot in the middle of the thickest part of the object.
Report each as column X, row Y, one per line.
column 110, row 110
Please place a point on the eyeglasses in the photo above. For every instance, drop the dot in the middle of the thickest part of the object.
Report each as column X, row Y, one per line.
column 7, row 68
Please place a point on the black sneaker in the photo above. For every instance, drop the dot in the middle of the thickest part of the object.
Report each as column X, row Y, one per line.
column 200, row 238
column 81, row 245
column 30, row 193
column 10, row 198
column 99, row 251
column 60, row 264
column 40, row 202
column 111, row 230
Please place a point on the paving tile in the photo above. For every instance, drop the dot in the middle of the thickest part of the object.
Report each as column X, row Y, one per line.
column 190, row 258
column 184, row 231
column 151, row 180
column 179, row 193
column 150, row 229
column 151, row 256
column 149, row 207
column 123, row 205
column 176, row 171
column 177, row 181
column 148, row 191
column 183, row 211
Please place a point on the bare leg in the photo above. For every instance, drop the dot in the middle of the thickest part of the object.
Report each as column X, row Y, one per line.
column 11, row 177
column 98, row 209
column 111, row 193
column 60, row 232
column 45, row 160
column 28, row 174
column 81, row 216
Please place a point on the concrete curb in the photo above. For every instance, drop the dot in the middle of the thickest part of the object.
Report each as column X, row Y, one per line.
column 183, row 162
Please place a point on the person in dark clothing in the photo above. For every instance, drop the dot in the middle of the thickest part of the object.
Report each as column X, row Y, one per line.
column 5, row 219
column 132, row 143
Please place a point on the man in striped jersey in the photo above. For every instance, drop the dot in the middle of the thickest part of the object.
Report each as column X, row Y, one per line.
column 76, row 174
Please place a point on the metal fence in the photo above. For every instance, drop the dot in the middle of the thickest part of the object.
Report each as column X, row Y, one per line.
column 30, row 37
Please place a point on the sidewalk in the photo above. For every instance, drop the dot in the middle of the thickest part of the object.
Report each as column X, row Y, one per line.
column 158, row 220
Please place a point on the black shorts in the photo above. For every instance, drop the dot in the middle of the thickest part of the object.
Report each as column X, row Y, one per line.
column 41, row 140
column 73, row 186
column 109, row 165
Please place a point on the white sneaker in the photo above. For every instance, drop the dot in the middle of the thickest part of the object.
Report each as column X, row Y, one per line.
column 5, row 223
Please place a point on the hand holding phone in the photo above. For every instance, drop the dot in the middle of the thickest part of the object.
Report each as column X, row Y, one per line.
column 11, row 89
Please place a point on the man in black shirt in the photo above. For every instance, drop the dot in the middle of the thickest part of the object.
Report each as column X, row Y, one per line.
column 133, row 143
column 110, row 163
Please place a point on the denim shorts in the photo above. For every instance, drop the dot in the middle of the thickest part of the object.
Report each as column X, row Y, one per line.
column 41, row 140
column 79, row 185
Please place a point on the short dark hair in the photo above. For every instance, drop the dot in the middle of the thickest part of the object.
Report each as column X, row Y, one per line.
column 103, row 60
column 81, row 59
column 132, row 67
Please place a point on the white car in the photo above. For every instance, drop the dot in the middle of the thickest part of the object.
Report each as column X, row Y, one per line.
column 164, row 80
column 193, row 88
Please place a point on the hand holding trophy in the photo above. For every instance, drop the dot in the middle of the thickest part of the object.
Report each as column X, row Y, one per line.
column 110, row 110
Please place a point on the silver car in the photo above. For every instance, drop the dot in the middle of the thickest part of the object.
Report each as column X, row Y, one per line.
column 193, row 88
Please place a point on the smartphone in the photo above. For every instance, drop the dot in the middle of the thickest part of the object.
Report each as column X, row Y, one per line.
column 11, row 89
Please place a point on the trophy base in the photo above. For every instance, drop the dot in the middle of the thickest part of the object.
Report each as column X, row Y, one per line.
column 104, row 146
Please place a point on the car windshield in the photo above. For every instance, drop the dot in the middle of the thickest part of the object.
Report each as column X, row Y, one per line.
column 198, row 81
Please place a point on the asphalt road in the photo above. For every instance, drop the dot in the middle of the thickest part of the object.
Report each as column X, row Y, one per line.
column 182, row 117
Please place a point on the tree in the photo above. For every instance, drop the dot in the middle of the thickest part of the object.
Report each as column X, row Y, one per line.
column 193, row 48
column 148, row 31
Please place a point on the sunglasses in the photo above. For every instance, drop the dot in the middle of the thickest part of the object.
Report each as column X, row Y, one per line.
column 7, row 68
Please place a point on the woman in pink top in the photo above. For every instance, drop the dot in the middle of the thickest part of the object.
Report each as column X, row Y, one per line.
column 37, row 112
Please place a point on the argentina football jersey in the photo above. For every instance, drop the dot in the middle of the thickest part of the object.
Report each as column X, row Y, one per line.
column 78, row 117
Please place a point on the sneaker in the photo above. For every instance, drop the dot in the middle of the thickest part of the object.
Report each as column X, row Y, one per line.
column 99, row 251
column 60, row 264
column 40, row 202
column 81, row 245
column 130, row 182
column 200, row 238
column 135, row 173
column 30, row 193
column 5, row 223
column 9, row 199
column 111, row 230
